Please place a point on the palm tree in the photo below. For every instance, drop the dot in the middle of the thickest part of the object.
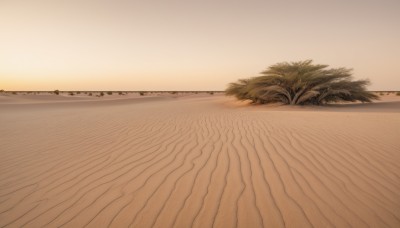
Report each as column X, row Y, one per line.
column 300, row 83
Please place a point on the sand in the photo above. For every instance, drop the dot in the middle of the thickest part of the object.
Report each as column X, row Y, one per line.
column 197, row 161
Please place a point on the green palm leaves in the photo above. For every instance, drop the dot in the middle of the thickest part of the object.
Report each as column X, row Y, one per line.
column 301, row 83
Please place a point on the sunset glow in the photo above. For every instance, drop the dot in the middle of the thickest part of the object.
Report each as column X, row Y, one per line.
column 190, row 45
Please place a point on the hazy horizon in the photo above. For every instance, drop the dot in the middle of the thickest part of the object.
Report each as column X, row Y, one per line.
column 190, row 45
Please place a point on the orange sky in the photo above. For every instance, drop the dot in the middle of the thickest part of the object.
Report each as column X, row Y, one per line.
column 190, row 45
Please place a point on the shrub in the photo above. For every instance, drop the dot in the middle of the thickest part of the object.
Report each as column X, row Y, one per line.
column 2, row 90
column 398, row 94
column 15, row 93
column 101, row 94
column 90, row 94
column 109, row 93
column 211, row 93
column 301, row 83
column 141, row 93
column 56, row 92
column 71, row 93
column 173, row 92
column 120, row 93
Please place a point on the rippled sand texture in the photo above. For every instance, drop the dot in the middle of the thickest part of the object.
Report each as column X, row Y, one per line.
column 197, row 162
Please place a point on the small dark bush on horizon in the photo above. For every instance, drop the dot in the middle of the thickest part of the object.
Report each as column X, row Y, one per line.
column 141, row 93
column 301, row 83
column 56, row 92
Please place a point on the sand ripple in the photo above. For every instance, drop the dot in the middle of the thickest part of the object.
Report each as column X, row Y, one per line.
column 197, row 163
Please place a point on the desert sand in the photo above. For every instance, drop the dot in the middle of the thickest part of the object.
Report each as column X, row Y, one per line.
column 197, row 161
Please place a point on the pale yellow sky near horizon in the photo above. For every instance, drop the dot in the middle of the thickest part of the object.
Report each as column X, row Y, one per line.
column 190, row 45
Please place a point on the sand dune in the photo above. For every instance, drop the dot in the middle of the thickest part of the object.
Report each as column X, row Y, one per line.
column 198, row 162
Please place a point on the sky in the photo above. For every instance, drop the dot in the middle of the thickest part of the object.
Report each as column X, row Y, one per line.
column 190, row 44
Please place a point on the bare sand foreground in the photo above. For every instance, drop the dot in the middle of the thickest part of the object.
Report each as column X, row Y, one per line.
column 197, row 161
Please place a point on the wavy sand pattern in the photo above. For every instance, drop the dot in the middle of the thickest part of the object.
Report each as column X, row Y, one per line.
column 197, row 162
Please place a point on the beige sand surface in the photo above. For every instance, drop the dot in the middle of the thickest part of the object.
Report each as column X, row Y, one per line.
column 198, row 161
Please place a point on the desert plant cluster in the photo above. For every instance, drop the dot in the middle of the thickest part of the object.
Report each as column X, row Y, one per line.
column 301, row 83
column 104, row 93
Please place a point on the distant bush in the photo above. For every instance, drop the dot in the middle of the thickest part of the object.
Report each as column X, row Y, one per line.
column 2, row 90
column 173, row 92
column 120, row 93
column 141, row 93
column 71, row 93
column 90, row 94
column 79, row 92
column 109, row 93
column 56, row 92
column 398, row 93
column 211, row 93
column 101, row 94
column 15, row 93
